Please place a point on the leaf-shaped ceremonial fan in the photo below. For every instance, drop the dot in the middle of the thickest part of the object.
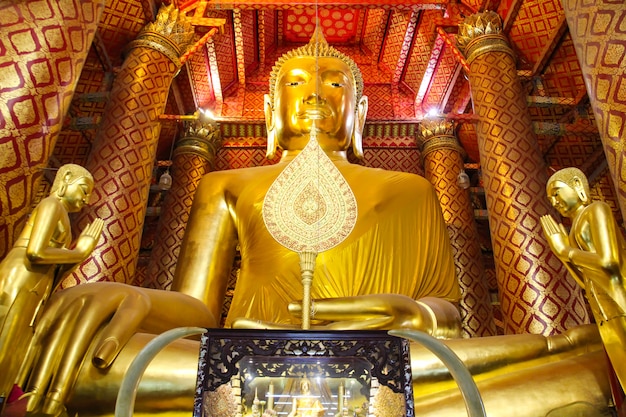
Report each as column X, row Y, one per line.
column 308, row 209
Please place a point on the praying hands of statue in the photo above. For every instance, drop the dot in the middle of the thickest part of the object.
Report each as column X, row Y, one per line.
column 557, row 236
column 558, row 239
column 602, row 271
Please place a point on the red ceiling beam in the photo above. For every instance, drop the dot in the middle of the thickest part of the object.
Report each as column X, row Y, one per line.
column 516, row 5
column 455, row 51
column 200, row 43
column 335, row 4
column 428, row 75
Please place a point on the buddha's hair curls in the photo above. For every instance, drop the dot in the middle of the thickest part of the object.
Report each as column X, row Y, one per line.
column 68, row 174
column 567, row 176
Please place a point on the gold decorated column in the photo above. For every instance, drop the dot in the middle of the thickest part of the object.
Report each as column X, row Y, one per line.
column 599, row 35
column 443, row 162
column 123, row 153
column 44, row 46
column 193, row 157
column 536, row 294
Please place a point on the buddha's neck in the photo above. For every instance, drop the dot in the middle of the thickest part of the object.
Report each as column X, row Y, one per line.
column 334, row 156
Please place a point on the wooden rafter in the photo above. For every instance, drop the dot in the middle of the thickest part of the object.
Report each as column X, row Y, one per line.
column 509, row 19
column 553, row 42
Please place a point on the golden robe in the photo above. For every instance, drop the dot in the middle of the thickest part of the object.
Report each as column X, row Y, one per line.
column 399, row 245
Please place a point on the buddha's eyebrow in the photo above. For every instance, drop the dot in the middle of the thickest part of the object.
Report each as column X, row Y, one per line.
column 334, row 72
column 297, row 72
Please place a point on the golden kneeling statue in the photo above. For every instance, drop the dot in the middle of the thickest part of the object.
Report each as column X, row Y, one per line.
column 36, row 262
column 594, row 252
column 398, row 253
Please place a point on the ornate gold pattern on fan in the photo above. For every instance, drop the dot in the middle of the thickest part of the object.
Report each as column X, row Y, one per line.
column 310, row 206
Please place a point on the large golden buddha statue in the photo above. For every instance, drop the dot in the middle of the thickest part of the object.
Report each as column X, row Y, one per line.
column 395, row 270
column 399, row 245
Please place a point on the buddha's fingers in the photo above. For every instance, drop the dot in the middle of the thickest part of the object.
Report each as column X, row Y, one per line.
column 549, row 225
column 245, row 323
column 81, row 337
column 128, row 317
column 50, row 341
column 377, row 323
column 95, row 228
column 67, row 330
column 363, row 307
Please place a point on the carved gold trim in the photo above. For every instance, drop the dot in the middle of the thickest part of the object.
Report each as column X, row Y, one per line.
column 485, row 44
column 171, row 34
column 434, row 143
column 200, row 139
column 481, row 33
column 429, row 128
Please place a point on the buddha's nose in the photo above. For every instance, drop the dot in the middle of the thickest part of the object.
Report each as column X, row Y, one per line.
column 313, row 98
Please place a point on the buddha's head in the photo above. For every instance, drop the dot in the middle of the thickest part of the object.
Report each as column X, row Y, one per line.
column 315, row 84
column 73, row 185
column 305, row 386
column 568, row 189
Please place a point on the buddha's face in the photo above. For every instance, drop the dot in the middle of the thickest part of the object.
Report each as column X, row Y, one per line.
column 563, row 197
column 314, row 90
column 77, row 193
column 305, row 387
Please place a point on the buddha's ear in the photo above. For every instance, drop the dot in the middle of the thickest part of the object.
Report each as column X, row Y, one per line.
column 63, row 187
column 580, row 190
column 359, row 126
column 269, row 126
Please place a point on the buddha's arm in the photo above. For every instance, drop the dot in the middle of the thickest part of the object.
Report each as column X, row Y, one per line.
column 208, row 249
column 44, row 225
column 604, row 253
column 387, row 311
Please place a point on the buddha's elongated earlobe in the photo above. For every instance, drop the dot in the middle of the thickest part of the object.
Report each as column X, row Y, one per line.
column 270, row 127
column 359, row 126
column 64, row 184
column 580, row 190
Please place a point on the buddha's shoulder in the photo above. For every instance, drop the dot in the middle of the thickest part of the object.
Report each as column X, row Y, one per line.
column 386, row 178
column 239, row 175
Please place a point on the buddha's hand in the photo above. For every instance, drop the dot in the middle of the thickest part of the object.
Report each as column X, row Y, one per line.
column 104, row 313
column 435, row 316
column 89, row 237
column 557, row 237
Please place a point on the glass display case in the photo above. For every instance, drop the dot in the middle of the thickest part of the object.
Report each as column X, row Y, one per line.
column 303, row 374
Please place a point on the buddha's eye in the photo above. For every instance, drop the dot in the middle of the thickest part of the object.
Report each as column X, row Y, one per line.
column 335, row 84
column 294, row 83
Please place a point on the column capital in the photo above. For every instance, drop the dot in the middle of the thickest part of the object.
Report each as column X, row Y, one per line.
column 481, row 33
column 171, row 34
column 202, row 139
column 438, row 134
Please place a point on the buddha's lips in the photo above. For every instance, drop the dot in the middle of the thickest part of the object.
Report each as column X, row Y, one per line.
column 314, row 114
